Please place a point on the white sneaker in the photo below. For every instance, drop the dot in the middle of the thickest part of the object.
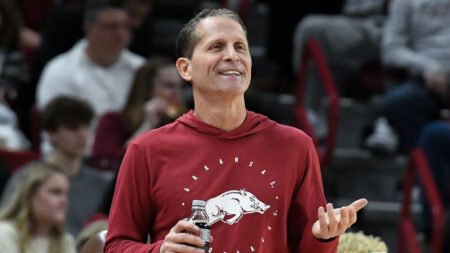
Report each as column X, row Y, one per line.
column 383, row 139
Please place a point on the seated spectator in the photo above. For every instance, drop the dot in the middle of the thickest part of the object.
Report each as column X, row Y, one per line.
column 98, row 69
column 33, row 219
column 155, row 99
column 350, row 42
column 67, row 122
column 416, row 38
column 358, row 30
column 63, row 28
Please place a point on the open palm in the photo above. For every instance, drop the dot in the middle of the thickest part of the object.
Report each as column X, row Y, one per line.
column 334, row 222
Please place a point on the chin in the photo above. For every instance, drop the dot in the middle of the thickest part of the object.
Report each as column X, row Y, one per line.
column 59, row 221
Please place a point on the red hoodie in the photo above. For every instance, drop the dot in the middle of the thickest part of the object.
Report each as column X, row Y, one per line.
column 261, row 181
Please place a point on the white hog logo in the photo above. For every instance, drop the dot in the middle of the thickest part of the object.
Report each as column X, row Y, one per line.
column 234, row 203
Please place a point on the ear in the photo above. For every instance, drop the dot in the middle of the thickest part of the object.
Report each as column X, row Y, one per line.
column 184, row 68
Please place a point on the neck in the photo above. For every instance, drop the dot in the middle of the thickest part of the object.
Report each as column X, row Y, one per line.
column 41, row 230
column 225, row 115
column 69, row 164
column 97, row 56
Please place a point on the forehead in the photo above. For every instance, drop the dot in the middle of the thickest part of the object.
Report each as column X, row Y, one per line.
column 56, row 178
column 213, row 28
column 112, row 14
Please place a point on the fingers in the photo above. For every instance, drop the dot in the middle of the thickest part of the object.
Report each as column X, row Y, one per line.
column 359, row 204
column 183, row 237
column 185, row 226
column 344, row 219
column 333, row 222
column 322, row 220
column 176, row 248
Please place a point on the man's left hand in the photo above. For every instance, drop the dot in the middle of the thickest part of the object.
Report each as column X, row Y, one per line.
column 334, row 222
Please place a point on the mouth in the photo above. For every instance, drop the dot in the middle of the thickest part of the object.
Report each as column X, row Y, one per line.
column 232, row 73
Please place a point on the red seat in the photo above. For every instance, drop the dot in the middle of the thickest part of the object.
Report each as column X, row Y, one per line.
column 16, row 159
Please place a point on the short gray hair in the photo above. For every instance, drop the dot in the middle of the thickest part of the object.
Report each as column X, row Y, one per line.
column 188, row 37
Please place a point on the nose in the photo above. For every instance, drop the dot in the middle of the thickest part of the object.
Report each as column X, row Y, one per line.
column 64, row 201
column 83, row 132
column 124, row 33
column 230, row 54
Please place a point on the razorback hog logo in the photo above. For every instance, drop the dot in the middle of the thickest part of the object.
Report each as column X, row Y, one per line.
column 233, row 203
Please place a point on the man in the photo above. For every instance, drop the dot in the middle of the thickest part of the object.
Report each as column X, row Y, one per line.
column 67, row 122
column 99, row 68
column 416, row 38
column 261, row 180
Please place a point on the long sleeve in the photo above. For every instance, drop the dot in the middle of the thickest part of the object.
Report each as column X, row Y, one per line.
column 398, row 39
column 131, row 210
column 303, row 213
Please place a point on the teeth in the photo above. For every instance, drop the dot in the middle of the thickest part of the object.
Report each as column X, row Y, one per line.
column 236, row 73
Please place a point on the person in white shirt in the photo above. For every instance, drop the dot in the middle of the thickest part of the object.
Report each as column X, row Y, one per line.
column 99, row 68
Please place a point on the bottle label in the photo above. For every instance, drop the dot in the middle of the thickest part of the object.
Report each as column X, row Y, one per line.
column 205, row 230
column 205, row 234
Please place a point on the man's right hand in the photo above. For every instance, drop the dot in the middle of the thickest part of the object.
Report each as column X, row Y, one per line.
column 183, row 238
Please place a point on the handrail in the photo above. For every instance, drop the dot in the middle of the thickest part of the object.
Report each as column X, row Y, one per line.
column 313, row 52
column 418, row 166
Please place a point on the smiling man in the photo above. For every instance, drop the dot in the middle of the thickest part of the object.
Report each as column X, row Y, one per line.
column 261, row 180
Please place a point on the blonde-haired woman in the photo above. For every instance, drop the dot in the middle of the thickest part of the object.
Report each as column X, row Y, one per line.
column 33, row 220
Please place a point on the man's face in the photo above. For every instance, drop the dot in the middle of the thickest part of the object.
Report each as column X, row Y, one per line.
column 110, row 32
column 70, row 141
column 221, row 62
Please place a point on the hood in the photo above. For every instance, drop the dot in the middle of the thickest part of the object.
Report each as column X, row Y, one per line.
column 253, row 123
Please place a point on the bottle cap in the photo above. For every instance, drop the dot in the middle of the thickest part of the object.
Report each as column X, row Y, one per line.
column 199, row 203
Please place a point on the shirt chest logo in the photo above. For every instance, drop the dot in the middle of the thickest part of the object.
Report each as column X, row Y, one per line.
column 230, row 206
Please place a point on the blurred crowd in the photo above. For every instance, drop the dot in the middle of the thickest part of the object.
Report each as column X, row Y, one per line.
column 80, row 78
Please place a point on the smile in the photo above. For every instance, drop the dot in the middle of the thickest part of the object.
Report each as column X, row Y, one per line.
column 231, row 73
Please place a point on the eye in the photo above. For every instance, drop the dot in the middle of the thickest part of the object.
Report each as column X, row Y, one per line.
column 241, row 47
column 215, row 46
